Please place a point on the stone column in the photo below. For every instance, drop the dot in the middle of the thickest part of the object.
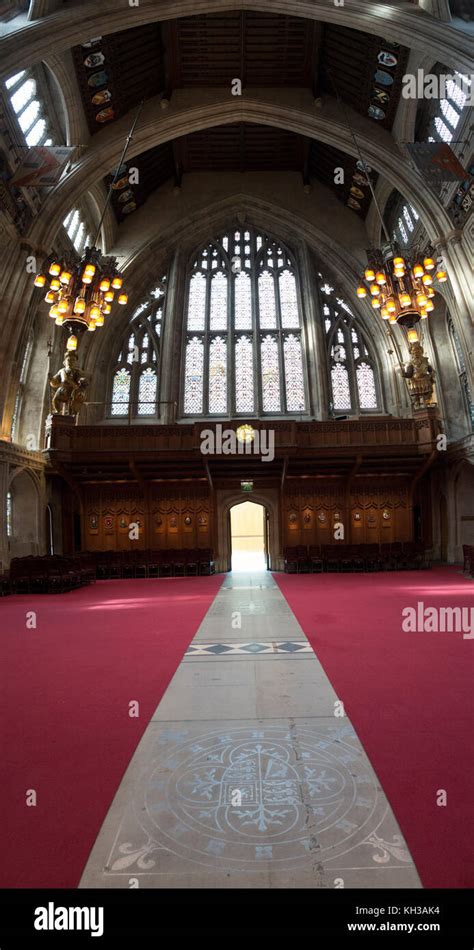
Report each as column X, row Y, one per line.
column 315, row 340
column 172, row 339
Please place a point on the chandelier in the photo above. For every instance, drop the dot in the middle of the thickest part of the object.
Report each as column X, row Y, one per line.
column 400, row 288
column 81, row 294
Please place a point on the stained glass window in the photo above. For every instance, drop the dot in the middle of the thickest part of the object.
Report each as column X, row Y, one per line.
column 121, row 393
column 352, row 369
column 147, row 392
column 341, row 393
column 29, row 108
column 294, row 379
column 136, row 368
column 366, row 386
column 244, row 396
column 218, row 375
column 194, row 376
column 270, row 375
column 243, row 298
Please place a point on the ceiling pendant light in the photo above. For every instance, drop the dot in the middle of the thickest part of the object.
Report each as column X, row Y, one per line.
column 81, row 292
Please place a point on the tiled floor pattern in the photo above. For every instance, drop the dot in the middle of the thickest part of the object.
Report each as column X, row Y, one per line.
column 249, row 774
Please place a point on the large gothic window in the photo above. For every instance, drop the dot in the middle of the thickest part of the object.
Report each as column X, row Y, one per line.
column 352, row 369
column 135, row 374
column 244, row 330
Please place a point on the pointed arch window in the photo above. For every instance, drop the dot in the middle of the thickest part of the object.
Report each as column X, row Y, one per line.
column 354, row 382
column 135, row 375
column 244, row 348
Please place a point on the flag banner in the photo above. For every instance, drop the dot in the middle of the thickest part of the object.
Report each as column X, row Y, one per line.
column 42, row 166
column 436, row 161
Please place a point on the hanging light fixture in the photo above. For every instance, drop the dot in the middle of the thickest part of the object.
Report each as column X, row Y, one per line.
column 80, row 303
column 400, row 286
column 81, row 293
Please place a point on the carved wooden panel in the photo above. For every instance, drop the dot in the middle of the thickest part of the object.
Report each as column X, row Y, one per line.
column 122, row 519
column 373, row 512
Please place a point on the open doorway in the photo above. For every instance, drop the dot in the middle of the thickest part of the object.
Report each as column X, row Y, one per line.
column 248, row 531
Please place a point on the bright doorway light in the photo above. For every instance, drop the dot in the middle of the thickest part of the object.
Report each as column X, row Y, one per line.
column 247, row 523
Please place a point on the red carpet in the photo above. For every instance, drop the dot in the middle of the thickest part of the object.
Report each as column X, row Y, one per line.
column 409, row 697
column 64, row 706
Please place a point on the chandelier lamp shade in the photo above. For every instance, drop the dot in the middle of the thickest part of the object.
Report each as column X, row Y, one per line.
column 81, row 294
column 400, row 289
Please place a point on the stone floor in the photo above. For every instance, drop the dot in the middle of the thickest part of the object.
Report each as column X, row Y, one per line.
column 246, row 775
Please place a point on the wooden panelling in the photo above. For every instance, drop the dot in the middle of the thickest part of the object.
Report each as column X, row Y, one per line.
column 371, row 512
column 165, row 519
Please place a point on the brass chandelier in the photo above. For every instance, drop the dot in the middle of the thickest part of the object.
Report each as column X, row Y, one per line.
column 81, row 294
column 400, row 288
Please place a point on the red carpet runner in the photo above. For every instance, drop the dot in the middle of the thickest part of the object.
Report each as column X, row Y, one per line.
column 409, row 697
column 64, row 706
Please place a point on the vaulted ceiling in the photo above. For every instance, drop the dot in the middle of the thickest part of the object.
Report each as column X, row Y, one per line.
column 117, row 71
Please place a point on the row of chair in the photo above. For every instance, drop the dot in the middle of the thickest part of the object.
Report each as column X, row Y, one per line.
column 317, row 558
column 50, row 574
column 148, row 563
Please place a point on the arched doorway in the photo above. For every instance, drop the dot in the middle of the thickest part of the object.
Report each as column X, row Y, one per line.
column 25, row 515
column 248, row 536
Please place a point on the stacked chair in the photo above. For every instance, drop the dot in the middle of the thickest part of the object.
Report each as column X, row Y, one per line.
column 50, row 574
column 182, row 562
column 342, row 558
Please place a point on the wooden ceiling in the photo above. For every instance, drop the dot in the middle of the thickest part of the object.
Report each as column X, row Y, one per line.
column 262, row 50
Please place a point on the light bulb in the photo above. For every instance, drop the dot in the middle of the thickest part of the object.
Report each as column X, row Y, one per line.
column 55, row 269
column 361, row 291
column 405, row 300
column 80, row 305
column 376, row 303
column 117, row 283
column 369, row 274
column 412, row 336
column 418, row 270
column 54, row 312
column 391, row 305
column 59, row 320
column 429, row 263
column 441, row 275
column 50, row 297
column 71, row 343
column 427, row 279
column 104, row 284
column 374, row 290
column 109, row 296
column 63, row 306
column 95, row 312
column 122, row 299
column 55, row 284
column 380, row 278
column 65, row 277
column 429, row 306
column 99, row 321
column 40, row 280
column 384, row 313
